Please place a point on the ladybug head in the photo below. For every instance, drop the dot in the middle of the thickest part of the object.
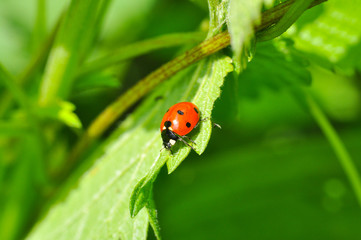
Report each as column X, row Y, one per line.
column 169, row 138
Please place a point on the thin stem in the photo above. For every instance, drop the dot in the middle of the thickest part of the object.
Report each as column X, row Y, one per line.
column 337, row 145
column 120, row 105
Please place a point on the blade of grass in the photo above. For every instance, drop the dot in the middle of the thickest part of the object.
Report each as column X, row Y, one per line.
column 139, row 48
column 337, row 145
column 40, row 24
column 75, row 36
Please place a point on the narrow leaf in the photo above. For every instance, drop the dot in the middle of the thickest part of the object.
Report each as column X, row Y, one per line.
column 139, row 48
column 73, row 40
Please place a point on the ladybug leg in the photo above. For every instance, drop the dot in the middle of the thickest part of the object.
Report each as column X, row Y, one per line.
column 216, row 125
column 200, row 120
column 207, row 118
column 184, row 141
column 189, row 139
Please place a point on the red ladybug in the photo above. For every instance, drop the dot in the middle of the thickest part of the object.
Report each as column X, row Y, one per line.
column 177, row 122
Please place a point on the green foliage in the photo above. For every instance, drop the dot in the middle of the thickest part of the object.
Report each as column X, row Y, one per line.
column 286, row 70
column 295, row 11
column 264, row 189
column 241, row 19
column 335, row 32
column 274, row 163
column 204, row 85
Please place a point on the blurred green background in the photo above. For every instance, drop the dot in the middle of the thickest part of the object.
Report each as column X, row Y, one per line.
column 269, row 173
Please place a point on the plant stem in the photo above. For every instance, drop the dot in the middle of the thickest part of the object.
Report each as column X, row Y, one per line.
column 337, row 145
column 204, row 49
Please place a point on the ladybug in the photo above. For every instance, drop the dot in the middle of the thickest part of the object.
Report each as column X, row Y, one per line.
column 177, row 122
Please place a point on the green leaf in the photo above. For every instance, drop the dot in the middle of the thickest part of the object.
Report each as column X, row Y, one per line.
column 62, row 111
column 99, row 207
column 204, row 85
column 66, row 114
column 217, row 16
column 142, row 191
column 248, row 186
column 337, row 94
column 281, row 68
column 153, row 216
column 210, row 73
column 333, row 33
column 293, row 13
column 243, row 15
column 142, row 195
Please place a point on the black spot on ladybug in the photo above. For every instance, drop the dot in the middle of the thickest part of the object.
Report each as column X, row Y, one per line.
column 180, row 112
column 167, row 124
column 188, row 124
column 167, row 110
column 195, row 109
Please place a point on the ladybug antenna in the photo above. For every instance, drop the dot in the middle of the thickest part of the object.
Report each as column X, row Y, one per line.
column 208, row 118
column 217, row 125
column 189, row 139
column 185, row 142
